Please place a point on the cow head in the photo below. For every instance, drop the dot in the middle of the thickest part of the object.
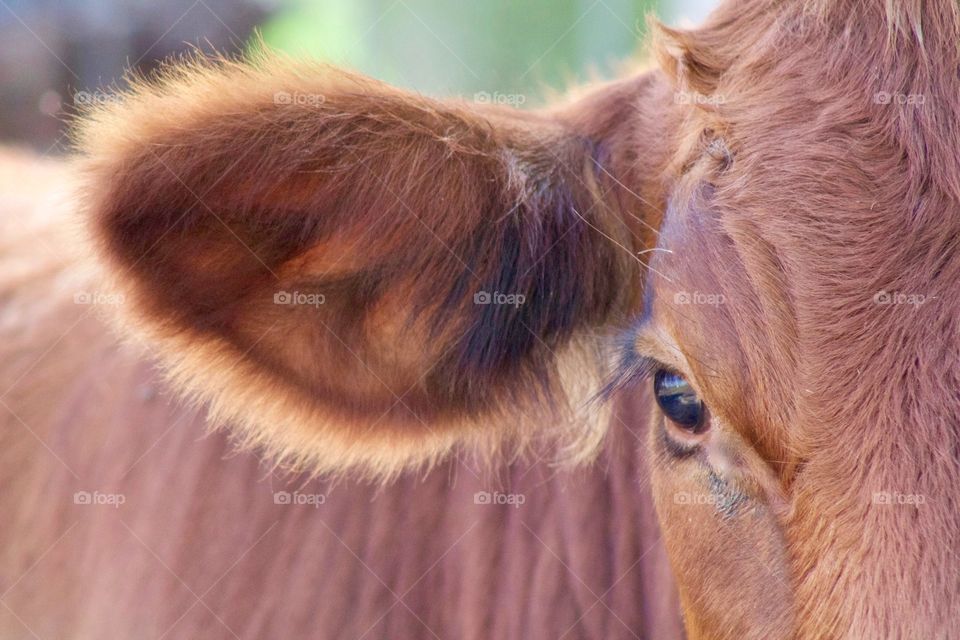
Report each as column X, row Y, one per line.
column 802, row 315
column 357, row 278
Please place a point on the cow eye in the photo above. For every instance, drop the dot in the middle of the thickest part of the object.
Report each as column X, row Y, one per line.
column 678, row 401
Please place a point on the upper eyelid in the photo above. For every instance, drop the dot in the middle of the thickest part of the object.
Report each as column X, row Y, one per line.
column 651, row 342
column 642, row 350
column 640, row 355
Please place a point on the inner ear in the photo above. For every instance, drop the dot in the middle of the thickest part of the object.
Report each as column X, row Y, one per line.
column 695, row 60
column 368, row 280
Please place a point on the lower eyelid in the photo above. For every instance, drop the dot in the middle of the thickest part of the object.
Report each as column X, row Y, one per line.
column 674, row 447
column 679, row 442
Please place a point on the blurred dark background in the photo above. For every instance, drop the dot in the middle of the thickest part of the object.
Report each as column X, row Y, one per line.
column 55, row 54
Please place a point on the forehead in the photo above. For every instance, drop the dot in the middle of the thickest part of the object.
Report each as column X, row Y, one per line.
column 796, row 198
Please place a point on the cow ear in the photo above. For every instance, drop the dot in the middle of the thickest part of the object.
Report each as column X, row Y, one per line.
column 354, row 277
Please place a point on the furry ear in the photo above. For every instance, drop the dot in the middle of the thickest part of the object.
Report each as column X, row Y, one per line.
column 357, row 277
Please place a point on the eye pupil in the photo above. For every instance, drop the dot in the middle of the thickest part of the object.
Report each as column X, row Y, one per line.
column 678, row 401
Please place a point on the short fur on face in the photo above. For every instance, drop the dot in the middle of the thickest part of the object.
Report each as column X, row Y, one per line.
column 816, row 192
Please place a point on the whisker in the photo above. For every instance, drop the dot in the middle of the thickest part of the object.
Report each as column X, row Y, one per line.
column 629, row 252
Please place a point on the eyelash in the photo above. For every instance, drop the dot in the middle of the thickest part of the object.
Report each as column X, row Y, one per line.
column 632, row 369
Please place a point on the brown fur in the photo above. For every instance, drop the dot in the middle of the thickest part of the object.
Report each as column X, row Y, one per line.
column 760, row 166
column 200, row 548
column 821, row 398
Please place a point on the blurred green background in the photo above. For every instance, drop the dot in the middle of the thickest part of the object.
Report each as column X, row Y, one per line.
column 442, row 47
column 52, row 51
